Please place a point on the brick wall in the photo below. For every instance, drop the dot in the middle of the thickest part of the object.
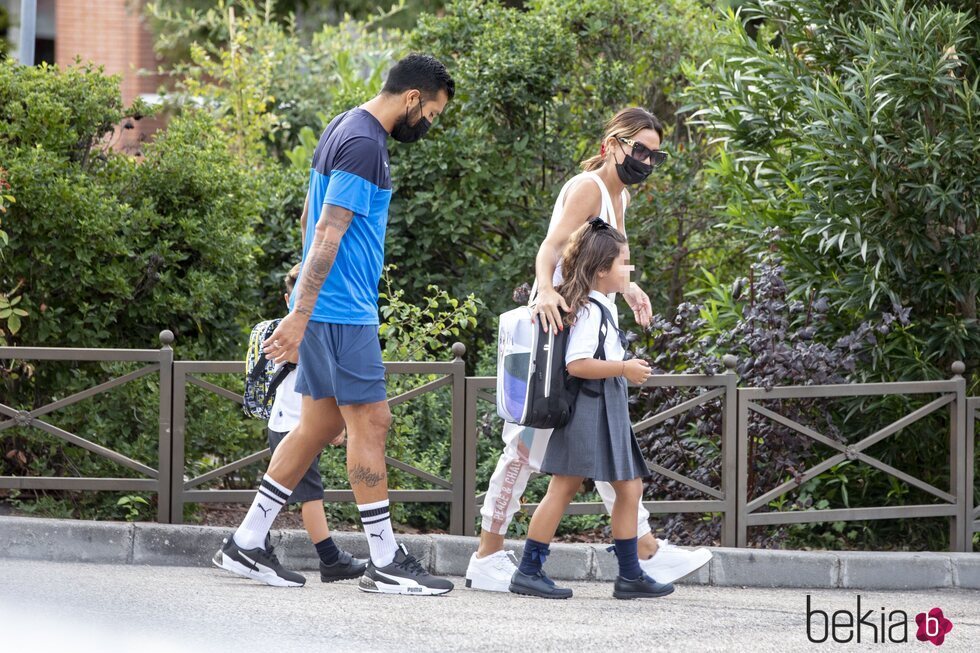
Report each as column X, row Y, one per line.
column 111, row 33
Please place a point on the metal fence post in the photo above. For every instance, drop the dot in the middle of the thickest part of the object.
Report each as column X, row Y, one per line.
column 470, row 435
column 742, row 467
column 179, row 431
column 459, row 472
column 960, row 524
column 165, row 443
column 972, row 523
column 729, row 452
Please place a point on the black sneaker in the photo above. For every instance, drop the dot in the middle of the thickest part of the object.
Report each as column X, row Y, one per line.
column 537, row 585
column 403, row 576
column 643, row 587
column 258, row 564
column 346, row 567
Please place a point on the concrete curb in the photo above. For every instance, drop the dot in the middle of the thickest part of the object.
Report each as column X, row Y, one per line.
column 143, row 543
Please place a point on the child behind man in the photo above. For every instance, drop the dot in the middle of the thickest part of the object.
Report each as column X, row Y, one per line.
column 335, row 564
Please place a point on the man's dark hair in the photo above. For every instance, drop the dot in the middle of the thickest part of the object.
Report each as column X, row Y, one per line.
column 422, row 72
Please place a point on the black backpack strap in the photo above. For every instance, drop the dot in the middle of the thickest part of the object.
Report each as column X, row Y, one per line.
column 258, row 369
column 605, row 321
column 600, row 352
column 276, row 381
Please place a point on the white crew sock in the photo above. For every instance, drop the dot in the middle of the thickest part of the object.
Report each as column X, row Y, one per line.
column 269, row 500
column 377, row 527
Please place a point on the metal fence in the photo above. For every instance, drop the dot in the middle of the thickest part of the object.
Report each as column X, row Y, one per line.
column 739, row 511
column 156, row 480
column 451, row 491
column 973, row 505
column 953, row 502
column 720, row 500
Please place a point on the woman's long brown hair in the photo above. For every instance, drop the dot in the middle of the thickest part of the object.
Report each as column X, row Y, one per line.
column 627, row 123
column 592, row 249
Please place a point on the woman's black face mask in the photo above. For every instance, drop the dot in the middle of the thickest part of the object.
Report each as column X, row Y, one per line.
column 632, row 171
column 406, row 133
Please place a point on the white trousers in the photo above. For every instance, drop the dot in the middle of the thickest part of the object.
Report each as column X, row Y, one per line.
column 524, row 449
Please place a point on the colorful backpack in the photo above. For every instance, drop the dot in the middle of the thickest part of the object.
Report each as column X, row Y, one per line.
column 262, row 377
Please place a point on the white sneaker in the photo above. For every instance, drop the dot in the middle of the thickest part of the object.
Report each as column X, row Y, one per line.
column 492, row 573
column 671, row 563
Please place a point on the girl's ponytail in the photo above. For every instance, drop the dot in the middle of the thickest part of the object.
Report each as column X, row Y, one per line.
column 592, row 249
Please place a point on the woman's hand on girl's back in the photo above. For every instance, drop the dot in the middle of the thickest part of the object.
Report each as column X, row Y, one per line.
column 636, row 370
column 546, row 310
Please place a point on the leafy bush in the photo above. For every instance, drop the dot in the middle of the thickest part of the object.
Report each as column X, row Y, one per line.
column 4, row 24
column 264, row 83
column 853, row 127
column 534, row 89
column 107, row 252
column 10, row 313
column 778, row 341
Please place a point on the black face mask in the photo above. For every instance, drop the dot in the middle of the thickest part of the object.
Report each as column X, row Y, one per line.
column 631, row 171
column 406, row 133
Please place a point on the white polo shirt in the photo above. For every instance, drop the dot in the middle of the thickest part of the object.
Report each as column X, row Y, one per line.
column 284, row 415
column 583, row 339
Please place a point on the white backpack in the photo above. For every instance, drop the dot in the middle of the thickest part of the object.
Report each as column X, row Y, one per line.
column 517, row 337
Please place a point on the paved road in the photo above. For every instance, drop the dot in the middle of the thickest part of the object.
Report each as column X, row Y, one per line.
column 47, row 606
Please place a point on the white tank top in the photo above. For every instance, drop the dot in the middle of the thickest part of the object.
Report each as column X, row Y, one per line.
column 606, row 213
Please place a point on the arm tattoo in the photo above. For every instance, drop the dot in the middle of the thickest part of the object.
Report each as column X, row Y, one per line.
column 368, row 477
column 332, row 226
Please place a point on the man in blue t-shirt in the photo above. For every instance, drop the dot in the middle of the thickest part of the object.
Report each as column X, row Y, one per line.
column 333, row 325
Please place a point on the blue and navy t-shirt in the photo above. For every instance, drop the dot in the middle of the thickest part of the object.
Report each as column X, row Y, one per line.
column 350, row 170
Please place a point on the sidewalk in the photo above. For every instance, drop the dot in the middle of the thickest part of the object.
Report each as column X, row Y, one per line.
column 192, row 546
column 97, row 608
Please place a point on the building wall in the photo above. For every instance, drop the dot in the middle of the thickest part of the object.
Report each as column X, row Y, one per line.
column 111, row 33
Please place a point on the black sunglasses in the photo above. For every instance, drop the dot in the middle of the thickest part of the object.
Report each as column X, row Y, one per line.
column 643, row 153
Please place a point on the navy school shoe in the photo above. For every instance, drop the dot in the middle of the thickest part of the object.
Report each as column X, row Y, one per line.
column 537, row 584
column 643, row 587
column 346, row 567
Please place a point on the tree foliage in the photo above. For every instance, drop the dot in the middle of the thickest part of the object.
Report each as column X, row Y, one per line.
column 854, row 128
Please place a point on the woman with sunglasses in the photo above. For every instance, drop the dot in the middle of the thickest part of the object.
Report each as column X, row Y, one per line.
column 628, row 153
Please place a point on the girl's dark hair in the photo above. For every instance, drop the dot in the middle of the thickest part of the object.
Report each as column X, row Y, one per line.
column 592, row 249
column 290, row 278
column 422, row 72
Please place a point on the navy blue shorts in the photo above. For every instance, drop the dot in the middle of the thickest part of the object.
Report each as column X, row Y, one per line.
column 310, row 487
column 342, row 361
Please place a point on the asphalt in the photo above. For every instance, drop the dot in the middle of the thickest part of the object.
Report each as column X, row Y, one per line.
column 105, row 608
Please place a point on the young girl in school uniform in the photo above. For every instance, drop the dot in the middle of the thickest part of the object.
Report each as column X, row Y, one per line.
column 598, row 441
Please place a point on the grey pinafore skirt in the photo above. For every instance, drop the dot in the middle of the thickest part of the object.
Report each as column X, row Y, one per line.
column 598, row 442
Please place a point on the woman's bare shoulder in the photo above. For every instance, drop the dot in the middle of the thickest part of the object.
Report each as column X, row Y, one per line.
column 584, row 194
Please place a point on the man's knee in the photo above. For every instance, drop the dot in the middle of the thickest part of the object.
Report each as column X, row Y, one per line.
column 320, row 422
column 373, row 423
column 380, row 419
